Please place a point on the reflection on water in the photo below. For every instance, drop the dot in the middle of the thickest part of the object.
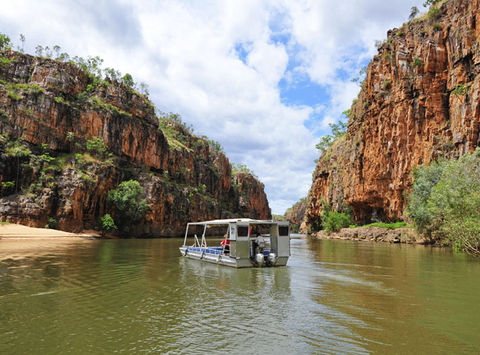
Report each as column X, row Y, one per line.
column 139, row 295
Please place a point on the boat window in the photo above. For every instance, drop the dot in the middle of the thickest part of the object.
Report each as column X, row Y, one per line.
column 283, row 230
column 243, row 231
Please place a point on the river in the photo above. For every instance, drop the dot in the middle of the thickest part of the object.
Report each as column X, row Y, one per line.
column 140, row 296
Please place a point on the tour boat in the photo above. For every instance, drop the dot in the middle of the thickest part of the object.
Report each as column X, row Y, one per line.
column 246, row 242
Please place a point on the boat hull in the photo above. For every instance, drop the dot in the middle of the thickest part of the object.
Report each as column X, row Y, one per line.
column 222, row 259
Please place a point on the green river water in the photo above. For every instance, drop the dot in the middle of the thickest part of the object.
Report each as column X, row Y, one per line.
column 140, row 296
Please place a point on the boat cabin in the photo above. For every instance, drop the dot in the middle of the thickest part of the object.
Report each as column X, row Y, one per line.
column 246, row 242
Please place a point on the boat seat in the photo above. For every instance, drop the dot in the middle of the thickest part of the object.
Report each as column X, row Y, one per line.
column 208, row 250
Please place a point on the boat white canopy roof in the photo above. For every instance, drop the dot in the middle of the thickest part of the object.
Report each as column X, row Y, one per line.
column 219, row 222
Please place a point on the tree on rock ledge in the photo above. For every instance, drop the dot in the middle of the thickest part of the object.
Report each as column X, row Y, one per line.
column 130, row 208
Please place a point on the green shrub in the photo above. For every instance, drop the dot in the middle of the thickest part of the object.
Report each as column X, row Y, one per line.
column 215, row 146
column 5, row 42
column 430, row 2
column 334, row 221
column 59, row 99
column 107, row 224
column 241, row 168
column 437, row 27
column 5, row 61
column 461, row 90
column 417, row 62
column 433, row 13
column 339, row 130
column 455, row 203
column 96, row 146
column 425, row 178
column 16, row 150
column 8, row 184
column 14, row 95
column 127, row 80
column 413, row 13
column 445, row 202
column 388, row 57
column 129, row 205
column 52, row 223
column 387, row 85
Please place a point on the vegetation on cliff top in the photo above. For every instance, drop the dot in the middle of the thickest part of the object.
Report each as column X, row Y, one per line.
column 445, row 202
column 338, row 130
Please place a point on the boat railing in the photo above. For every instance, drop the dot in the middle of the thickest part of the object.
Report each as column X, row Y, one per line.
column 196, row 243
column 199, row 244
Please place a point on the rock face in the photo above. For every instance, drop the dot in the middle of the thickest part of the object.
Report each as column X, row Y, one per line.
column 374, row 234
column 56, row 110
column 419, row 101
column 296, row 214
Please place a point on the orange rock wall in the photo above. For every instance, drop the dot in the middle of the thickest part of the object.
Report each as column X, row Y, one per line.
column 41, row 100
column 407, row 113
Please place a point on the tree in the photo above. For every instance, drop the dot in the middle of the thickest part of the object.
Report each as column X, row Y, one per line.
column 424, row 179
column 56, row 49
column 5, row 42
column 107, row 224
column 113, row 74
column 130, row 208
column 413, row 13
column 454, row 203
column 22, row 39
column 430, row 2
column 338, row 130
column 18, row 151
column 71, row 140
column 242, row 168
column 325, row 143
column 445, row 202
column 144, row 89
column 127, row 80
column 39, row 51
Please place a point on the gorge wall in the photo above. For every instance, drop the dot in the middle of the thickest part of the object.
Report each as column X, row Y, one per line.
column 50, row 110
column 419, row 101
column 296, row 214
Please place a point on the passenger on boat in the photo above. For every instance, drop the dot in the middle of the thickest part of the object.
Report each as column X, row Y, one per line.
column 225, row 243
column 260, row 242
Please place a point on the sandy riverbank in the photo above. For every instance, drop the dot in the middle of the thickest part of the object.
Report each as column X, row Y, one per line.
column 20, row 242
column 17, row 231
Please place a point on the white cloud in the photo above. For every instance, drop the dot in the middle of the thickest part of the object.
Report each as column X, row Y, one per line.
column 186, row 51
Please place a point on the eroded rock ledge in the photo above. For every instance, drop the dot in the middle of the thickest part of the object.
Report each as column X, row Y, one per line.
column 374, row 234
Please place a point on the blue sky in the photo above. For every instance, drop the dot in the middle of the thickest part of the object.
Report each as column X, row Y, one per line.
column 262, row 77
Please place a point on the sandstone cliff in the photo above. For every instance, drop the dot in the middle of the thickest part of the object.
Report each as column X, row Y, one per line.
column 296, row 214
column 419, row 101
column 53, row 109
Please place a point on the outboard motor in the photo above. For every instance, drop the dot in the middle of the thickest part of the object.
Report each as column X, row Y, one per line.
column 272, row 258
column 259, row 259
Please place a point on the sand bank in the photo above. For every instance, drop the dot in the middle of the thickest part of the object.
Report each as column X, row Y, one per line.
column 17, row 231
